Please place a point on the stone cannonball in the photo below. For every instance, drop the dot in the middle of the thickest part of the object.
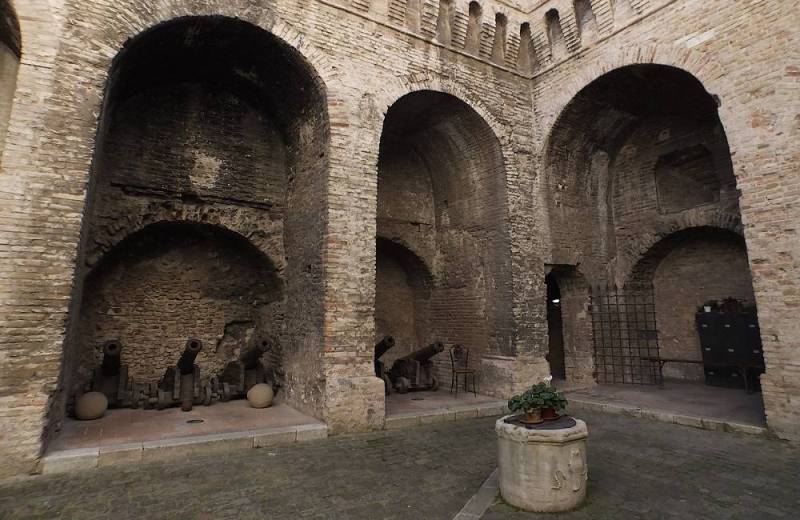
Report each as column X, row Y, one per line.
column 91, row 405
column 260, row 396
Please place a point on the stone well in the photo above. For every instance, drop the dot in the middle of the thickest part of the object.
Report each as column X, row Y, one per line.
column 543, row 467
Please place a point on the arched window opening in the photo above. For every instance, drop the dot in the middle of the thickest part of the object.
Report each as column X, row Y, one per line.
column 499, row 45
column 527, row 61
column 587, row 23
column 444, row 22
column 414, row 15
column 474, row 29
column 555, row 34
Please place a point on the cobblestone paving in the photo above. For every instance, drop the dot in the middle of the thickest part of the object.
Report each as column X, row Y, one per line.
column 641, row 469
column 638, row 469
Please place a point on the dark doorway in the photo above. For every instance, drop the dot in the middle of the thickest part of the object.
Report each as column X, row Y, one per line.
column 555, row 333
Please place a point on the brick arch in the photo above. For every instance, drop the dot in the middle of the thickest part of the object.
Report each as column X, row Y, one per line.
column 649, row 250
column 701, row 66
column 411, row 254
column 397, row 88
column 470, row 126
column 124, row 22
column 251, row 230
column 219, row 225
column 400, row 88
column 146, row 269
column 569, row 278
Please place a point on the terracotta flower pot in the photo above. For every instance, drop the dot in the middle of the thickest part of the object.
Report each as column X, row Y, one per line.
column 548, row 414
column 533, row 417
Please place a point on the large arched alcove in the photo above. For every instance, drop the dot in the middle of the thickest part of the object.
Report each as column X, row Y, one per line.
column 638, row 154
column 441, row 190
column 10, row 53
column 172, row 281
column 216, row 119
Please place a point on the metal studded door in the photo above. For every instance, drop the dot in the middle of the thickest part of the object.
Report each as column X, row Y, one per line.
column 625, row 335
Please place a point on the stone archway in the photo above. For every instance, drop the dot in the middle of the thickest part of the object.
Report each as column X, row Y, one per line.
column 441, row 189
column 197, row 125
column 635, row 157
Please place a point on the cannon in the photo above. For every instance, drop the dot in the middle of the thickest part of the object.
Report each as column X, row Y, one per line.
column 416, row 371
column 239, row 376
column 181, row 383
column 107, row 376
column 381, row 348
column 111, row 377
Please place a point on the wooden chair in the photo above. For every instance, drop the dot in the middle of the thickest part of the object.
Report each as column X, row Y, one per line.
column 459, row 361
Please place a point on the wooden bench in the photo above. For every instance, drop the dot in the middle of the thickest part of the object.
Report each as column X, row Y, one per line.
column 662, row 361
column 743, row 368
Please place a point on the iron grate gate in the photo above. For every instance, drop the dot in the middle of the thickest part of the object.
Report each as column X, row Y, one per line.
column 625, row 334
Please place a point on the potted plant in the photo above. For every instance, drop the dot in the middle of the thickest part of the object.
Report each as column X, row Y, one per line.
column 554, row 402
column 535, row 400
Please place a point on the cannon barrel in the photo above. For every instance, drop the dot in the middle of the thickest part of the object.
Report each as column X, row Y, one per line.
column 186, row 361
column 251, row 356
column 112, row 351
column 424, row 353
column 383, row 346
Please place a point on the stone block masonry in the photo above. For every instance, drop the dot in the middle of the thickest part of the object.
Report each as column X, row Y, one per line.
column 309, row 130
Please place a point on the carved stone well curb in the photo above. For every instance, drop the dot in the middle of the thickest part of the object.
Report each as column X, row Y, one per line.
column 542, row 470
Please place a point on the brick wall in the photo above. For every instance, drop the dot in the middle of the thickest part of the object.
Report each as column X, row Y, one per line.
column 361, row 58
column 722, row 45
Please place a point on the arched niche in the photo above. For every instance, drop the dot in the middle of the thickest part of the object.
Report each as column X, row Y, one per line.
column 217, row 119
column 635, row 151
column 441, row 192
column 403, row 287
column 177, row 280
column 687, row 269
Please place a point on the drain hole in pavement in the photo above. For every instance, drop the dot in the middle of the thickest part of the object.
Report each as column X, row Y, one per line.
column 194, row 421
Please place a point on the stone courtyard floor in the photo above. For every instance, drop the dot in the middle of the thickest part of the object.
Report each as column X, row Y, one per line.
column 637, row 469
